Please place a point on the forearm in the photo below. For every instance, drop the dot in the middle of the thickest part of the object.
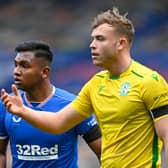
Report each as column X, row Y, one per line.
column 52, row 122
column 96, row 148
column 43, row 120
column 2, row 161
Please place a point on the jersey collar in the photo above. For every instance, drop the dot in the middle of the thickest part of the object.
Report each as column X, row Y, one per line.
column 125, row 73
column 42, row 102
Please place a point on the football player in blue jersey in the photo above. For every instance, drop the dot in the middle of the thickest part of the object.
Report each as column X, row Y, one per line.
column 31, row 147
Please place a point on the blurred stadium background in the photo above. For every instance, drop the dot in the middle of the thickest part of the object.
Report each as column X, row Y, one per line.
column 65, row 25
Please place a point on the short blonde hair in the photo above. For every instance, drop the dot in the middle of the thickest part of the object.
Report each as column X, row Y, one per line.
column 120, row 22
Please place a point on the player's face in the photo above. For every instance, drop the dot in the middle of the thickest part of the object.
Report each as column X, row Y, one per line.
column 27, row 71
column 104, row 45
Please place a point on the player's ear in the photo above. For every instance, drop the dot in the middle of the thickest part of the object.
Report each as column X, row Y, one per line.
column 121, row 43
column 45, row 72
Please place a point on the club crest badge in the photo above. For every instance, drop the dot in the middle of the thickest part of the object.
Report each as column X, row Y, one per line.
column 125, row 87
column 16, row 119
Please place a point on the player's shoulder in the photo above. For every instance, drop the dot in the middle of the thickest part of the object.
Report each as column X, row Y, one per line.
column 64, row 94
column 140, row 68
column 145, row 73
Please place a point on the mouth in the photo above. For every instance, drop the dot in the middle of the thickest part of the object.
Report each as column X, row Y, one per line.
column 17, row 82
column 94, row 55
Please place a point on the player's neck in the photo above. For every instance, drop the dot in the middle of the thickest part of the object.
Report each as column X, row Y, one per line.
column 40, row 93
column 120, row 66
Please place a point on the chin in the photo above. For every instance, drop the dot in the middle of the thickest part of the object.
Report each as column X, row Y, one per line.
column 19, row 86
column 97, row 64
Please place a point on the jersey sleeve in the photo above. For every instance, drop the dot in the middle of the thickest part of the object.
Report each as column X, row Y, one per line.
column 3, row 133
column 82, row 103
column 86, row 125
column 155, row 92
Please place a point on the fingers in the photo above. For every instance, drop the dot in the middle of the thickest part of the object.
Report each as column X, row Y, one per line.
column 14, row 90
column 5, row 98
column 4, row 95
column 2, row 91
column 7, row 104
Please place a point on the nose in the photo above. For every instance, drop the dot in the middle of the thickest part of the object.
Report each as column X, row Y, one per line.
column 92, row 44
column 16, row 70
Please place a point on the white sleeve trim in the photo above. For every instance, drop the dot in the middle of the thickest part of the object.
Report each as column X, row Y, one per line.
column 3, row 137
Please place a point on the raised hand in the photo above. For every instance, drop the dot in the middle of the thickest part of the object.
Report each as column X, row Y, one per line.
column 13, row 103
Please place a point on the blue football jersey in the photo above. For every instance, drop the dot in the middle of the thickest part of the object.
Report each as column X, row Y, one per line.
column 33, row 148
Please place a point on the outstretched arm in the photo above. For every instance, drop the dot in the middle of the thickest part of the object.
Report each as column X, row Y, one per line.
column 47, row 121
